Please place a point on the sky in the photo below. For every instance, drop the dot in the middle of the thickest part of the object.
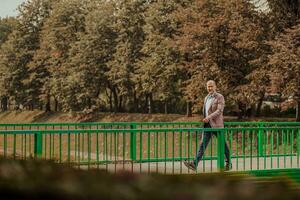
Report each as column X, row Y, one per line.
column 8, row 7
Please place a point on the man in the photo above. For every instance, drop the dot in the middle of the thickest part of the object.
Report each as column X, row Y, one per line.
column 213, row 118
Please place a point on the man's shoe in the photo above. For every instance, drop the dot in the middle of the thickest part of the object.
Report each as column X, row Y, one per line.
column 190, row 165
column 228, row 167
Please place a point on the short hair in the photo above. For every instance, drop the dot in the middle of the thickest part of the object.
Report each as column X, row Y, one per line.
column 211, row 81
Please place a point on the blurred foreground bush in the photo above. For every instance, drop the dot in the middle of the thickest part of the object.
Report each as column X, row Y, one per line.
column 46, row 180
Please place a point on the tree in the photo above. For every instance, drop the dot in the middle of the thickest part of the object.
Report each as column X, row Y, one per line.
column 129, row 26
column 218, row 41
column 7, row 25
column 285, row 61
column 19, row 50
column 158, row 72
column 59, row 32
column 283, row 14
column 89, row 57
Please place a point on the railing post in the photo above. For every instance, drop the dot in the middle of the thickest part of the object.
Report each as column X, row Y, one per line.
column 38, row 144
column 261, row 140
column 221, row 150
column 298, row 142
column 133, row 142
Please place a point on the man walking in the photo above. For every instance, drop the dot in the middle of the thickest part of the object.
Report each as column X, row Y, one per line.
column 213, row 118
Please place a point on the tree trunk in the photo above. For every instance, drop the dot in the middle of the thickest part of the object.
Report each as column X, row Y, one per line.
column 89, row 102
column 48, row 105
column 110, row 102
column 166, row 107
column 298, row 111
column 150, row 104
column 135, row 102
column 120, row 103
column 188, row 109
column 145, row 108
column 31, row 107
column 116, row 102
column 4, row 102
column 259, row 105
column 55, row 105
column 242, row 109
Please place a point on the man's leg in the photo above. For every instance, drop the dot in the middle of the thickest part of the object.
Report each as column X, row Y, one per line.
column 205, row 140
column 227, row 154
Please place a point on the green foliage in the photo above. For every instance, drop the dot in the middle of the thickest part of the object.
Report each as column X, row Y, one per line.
column 145, row 56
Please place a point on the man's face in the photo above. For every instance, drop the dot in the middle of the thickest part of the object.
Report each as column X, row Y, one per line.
column 211, row 87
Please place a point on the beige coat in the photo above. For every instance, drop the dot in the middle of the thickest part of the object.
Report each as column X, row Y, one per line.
column 215, row 111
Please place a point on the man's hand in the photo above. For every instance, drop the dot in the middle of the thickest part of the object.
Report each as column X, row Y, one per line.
column 205, row 120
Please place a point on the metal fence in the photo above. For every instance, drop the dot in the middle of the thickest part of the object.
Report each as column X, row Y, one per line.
column 134, row 125
column 160, row 150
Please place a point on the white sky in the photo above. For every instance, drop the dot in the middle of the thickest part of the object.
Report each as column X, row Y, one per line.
column 8, row 7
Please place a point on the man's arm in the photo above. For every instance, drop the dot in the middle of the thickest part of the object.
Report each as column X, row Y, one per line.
column 220, row 108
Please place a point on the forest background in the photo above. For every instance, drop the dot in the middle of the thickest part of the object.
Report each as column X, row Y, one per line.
column 151, row 56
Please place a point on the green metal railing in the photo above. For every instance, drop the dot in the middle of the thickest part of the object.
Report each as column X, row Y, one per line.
column 143, row 125
column 156, row 150
column 135, row 125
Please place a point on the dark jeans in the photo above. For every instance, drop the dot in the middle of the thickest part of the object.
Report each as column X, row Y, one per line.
column 205, row 140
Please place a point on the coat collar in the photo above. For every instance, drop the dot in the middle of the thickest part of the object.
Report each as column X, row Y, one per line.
column 213, row 94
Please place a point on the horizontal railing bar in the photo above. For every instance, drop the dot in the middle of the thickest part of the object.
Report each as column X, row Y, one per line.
column 70, row 131
column 142, row 123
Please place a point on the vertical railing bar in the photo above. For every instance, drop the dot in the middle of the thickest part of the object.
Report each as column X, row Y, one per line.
column 97, row 146
column 258, row 142
column 15, row 145
column 69, row 147
column 156, row 150
column 124, row 148
column 284, row 148
column 5, row 144
column 50, row 146
column 30, row 140
column 111, row 146
column 230, row 147
column 298, row 146
column 141, row 150
column 251, row 147
column 271, row 148
column 117, row 147
column 89, row 148
column 277, row 147
column 212, row 143
column 22, row 144
column 148, row 150
column 105, row 147
column 236, row 151
column 180, row 150
column 82, row 145
column 78, row 146
column 243, row 148
column 166, row 151
column 173, row 151
column 291, row 146
column 45, row 136
column 203, row 142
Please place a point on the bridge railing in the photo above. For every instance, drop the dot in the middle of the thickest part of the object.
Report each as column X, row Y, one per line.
column 156, row 150
column 134, row 125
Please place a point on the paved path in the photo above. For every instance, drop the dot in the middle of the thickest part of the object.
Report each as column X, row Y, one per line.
column 205, row 166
